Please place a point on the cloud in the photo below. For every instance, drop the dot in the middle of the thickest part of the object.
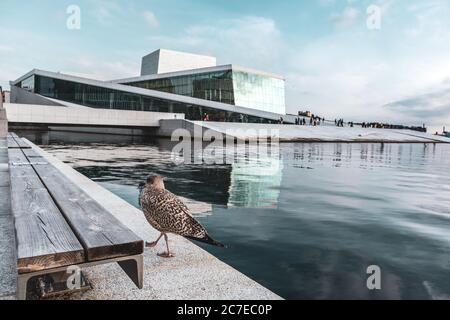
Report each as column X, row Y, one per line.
column 88, row 67
column 104, row 11
column 6, row 49
column 346, row 18
column 15, row 57
column 250, row 40
column 151, row 19
column 426, row 20
column 429, row 106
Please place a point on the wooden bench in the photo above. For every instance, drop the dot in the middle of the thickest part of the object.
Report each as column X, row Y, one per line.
column 58, row 225
column 15, row 142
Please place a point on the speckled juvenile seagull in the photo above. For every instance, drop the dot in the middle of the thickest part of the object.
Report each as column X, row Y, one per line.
column 168, row 214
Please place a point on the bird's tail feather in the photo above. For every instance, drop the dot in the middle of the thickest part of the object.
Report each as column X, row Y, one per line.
column 207, row 239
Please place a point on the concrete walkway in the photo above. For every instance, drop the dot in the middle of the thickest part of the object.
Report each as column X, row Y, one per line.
column 7, row 239
column 323, row 133
column 192, row 274
column 293, row 133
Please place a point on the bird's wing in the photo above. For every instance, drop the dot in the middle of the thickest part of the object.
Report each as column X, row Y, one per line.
column 172, row 215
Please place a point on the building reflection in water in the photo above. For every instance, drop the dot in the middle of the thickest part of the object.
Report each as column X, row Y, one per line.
column 256, row 183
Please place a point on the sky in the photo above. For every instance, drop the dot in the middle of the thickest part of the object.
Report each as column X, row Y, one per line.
column 340, row 58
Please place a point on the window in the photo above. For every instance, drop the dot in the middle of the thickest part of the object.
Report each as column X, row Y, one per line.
column 28, row 84
column 99, row 97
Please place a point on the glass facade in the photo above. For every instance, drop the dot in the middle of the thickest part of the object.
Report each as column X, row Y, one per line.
column 100, row 97
column 27, row 84
column 215, row 86
column 232, row 87
column 259, row 92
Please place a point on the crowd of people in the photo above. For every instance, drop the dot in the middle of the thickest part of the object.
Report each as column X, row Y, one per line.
column 339, row 122
column 378, row 125
column 313, row 121
column 375, row 125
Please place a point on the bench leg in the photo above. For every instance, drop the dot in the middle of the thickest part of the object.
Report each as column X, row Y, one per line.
column 134, row 268
column 22, row 283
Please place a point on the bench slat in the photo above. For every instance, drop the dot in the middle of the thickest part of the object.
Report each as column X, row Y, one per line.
column 12, row 143
column 44, row 238
column 102, row 235
column 33, row 156
column 20, row 143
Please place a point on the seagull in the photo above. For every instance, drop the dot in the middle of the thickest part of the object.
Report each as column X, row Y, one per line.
column 168, row 214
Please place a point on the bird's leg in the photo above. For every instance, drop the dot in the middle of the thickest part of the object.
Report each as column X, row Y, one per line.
column 166, row 254
column 153, row 244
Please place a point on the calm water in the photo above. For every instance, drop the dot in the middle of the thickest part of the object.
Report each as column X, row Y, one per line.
column 308, row 222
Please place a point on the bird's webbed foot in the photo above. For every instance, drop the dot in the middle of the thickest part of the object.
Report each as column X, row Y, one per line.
column 166, row 255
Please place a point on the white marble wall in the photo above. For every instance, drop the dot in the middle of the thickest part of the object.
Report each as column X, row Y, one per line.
column 24, row 113
column 164, row 61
